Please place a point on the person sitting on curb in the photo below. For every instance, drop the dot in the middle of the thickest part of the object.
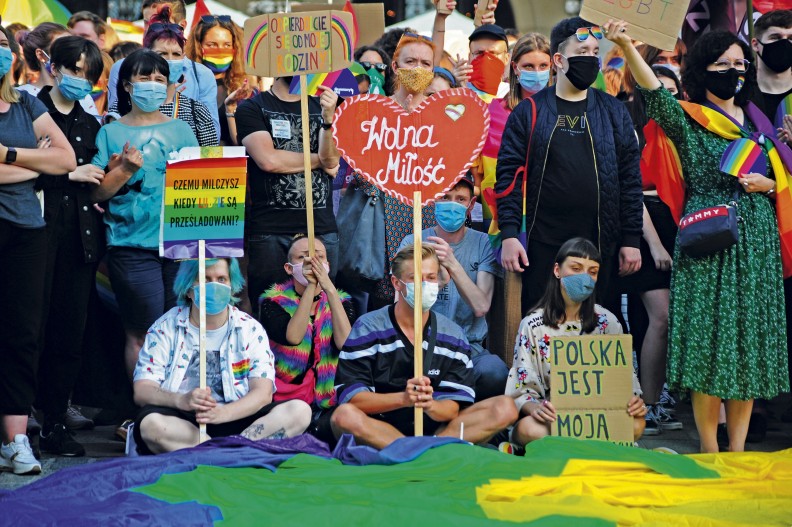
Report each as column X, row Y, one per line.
column 240, row 372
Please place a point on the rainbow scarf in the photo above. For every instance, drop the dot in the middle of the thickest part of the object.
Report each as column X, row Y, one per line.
column 291, row 362
column 661, row 158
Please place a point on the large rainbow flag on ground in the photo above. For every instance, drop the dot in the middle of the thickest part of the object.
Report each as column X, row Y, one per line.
column 415, row 481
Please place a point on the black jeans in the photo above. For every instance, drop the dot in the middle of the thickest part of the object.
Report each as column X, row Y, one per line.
column 22, row 263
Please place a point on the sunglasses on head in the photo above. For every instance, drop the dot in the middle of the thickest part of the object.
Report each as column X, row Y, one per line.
column 208, row 19
column 159, row 26
column 583, row 33
column 378, row 66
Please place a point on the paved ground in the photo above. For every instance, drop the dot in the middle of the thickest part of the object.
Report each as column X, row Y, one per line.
column 100, row 446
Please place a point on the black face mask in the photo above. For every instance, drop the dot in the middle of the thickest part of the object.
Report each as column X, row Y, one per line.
column 582, row 71
column 777, row 55
column 723, row 85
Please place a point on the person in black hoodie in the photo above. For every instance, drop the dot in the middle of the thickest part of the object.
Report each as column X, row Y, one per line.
column 583, row 175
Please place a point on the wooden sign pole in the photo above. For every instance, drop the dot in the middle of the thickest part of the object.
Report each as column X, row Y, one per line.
column 417, row 303
column 306, row 138
column 202, row 328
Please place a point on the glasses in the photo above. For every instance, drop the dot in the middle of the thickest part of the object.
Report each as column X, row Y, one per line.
column 378, row 66
column 208, row 19
column 583, row 33
column 741, row 65
column 159, row 26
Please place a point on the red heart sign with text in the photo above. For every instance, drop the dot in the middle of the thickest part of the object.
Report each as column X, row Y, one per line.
column 429, row 149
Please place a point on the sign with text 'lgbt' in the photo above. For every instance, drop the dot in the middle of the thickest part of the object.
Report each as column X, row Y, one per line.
column 205, row 200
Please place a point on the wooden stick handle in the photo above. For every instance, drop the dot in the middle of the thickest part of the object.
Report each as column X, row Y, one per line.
column 418, row 305
column 202, row 328
column 306, row 139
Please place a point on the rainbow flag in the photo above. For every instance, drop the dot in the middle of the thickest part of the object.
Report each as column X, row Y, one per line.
column 342, row 81
column 785, row 108
column 205, row 200
column 743, row 156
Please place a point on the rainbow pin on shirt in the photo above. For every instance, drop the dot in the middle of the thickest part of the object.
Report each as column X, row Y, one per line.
column 743, row 156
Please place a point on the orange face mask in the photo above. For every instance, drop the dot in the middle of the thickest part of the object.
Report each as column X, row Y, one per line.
column 487, row 73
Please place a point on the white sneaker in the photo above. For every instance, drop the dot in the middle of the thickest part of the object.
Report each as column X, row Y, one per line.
column 18, row 457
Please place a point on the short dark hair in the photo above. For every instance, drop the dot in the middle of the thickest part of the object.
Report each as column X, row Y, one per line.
column 296, row 238
column 777, row 18
column 123, row 49
column 39, row 38
column 66, row 52
column 705, row 51
column 563, row 30
column 552, row 302
column 100, row 26
column 140, row 62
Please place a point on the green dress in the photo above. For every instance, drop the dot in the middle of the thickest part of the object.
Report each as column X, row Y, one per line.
column 727, row 324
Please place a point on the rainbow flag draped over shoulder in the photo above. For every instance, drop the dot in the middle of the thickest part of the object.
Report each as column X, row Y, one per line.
column 661, row 155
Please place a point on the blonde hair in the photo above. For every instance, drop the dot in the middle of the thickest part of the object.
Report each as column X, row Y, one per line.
column 8, row 93
column 407, row 255
column 527, row 43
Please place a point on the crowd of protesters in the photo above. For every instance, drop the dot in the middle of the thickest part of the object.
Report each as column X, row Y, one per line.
column 297, row 340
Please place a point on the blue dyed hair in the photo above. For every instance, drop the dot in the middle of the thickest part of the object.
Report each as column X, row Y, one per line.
column 188, row 274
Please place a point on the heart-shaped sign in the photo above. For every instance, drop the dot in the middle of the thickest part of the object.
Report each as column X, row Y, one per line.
column 743, row 156
column 429, row 149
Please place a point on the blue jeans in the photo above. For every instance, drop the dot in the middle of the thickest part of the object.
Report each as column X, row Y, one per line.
column 267, row 255
column 489, row 372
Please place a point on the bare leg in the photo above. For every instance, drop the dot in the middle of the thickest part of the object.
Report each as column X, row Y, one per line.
column 482, row 420
column 164, row 433
column 289, row 419
column 705, row 412
column 654, row 350
column 738, row 416
column 529, row 429
column 12, row 425
column 132, row 345
column 348, row 419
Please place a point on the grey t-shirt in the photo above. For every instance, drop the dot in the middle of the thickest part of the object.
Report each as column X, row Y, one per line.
column 475, row 254
column 18, row 202
column 214, row 377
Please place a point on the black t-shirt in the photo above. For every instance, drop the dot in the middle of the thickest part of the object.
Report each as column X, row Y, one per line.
column 769, row 102
column 569, row 195
column 278, row 200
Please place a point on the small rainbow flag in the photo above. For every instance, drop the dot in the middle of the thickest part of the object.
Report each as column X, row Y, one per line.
column 785, row 108
column 743, row 156
column 343, row 83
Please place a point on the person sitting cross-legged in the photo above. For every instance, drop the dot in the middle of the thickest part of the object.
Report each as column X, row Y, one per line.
column 239, row 370
column 375, row 384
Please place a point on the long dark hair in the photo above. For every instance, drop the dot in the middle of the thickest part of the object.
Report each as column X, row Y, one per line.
column 705, row 51
column 552, row 302
column 140, row 62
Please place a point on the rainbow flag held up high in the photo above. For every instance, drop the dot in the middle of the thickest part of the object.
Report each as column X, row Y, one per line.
column 343, row 83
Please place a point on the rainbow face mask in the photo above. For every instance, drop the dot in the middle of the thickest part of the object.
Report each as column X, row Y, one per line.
column 218, row 60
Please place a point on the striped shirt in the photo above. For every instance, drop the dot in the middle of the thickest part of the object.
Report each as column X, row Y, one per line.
column 378, row 357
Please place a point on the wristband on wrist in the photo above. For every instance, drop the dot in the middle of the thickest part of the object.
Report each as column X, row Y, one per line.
column 326, row 126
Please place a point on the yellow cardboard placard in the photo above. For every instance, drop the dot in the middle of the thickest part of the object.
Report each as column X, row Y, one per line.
column 655, row 22
column 591, row 383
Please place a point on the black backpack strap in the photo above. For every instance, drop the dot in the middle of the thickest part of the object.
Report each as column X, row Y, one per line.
column 432, row 340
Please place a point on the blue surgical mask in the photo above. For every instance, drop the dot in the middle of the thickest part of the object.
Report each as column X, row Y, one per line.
column 429, row 292
column 6, row 58
column 74, row 88
column 578, row 286
column 450, row 215
column 218, row 296
column 176, row 68
column 533, row 81
column 149, row 95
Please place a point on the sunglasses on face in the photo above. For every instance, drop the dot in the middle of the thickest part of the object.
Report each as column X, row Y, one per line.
column 583, row 33
column 208, row 19
column 378, row 66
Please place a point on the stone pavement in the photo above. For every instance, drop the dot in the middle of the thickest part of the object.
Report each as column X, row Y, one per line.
column 100, row 445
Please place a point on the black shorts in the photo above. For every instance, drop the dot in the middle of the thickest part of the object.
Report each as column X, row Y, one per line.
column 219, row 430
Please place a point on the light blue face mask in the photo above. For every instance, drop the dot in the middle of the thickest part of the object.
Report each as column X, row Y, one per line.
column 533, row 81
column 149, row 95
column 74, row 88
column 429, row 292
column 176, row 68
column 6, row 58
column 218, row 296
column 450, row 215
column 578, row 286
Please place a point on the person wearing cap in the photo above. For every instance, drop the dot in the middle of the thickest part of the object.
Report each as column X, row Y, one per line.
column 583, row 172
column 467, row 277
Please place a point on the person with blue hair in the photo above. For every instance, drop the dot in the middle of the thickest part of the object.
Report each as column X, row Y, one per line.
column 240, row 372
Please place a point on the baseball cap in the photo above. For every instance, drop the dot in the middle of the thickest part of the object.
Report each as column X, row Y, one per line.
column 492, row 31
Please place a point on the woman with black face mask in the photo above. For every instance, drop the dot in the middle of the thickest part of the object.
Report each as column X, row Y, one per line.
column 727, row 331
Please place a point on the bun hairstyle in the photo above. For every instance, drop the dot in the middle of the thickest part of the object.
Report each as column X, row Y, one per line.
column 170, row 31
column 40, row 37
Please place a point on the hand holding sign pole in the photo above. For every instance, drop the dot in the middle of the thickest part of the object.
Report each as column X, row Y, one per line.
column 414, row 157
column 287, row 44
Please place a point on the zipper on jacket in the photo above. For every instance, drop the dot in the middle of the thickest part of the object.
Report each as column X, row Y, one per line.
column 541, row 180
column 596, row 171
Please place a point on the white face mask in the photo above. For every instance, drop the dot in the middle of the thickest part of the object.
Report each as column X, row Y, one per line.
column 429, row 292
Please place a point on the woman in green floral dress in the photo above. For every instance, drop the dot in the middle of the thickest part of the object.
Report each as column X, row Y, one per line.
column 727, row 328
